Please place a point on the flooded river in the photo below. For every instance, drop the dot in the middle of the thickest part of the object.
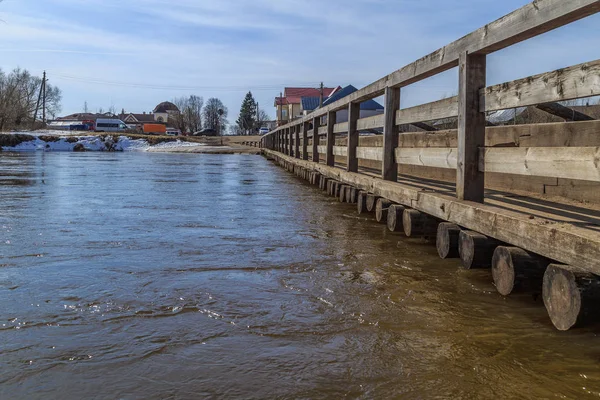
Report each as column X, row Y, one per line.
column 147, row 276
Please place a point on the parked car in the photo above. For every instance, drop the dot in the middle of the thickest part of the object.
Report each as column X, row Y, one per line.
column 206, row 132
column 110, row 125
column 173, row 132
column 263, row 131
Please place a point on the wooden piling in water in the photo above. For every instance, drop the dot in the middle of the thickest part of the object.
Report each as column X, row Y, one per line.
column 447, row 240
column 352, row 195
column 381, row 210
column 517, row 270
column 418, row 224
column 371, row 202
column 342, row 195
column 476, row 250
column 361, row 202
column 571, row 296
column 394, row 218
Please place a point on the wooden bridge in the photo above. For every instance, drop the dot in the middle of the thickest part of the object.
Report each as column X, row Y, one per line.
column 523, row 200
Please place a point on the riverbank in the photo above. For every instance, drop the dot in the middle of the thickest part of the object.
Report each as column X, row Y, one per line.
column 83, row 141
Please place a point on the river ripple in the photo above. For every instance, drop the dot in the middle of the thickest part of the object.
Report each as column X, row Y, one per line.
column 210, row 276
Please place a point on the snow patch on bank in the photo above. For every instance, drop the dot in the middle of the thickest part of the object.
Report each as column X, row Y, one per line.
column 91, row 143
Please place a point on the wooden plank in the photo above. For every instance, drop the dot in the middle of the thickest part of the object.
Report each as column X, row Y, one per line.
column 565, row 243
column 315, row 140
column 566, row 113
column 322, row 149
column 323, row 131
column 340, row 151
column 389, row 168
column 342, row 127
column 370, row 123
column 305, row 126
column 470, row 183
column 352, row 141
column 580, row 163
column 581, row 80
column 531, row 20
column 370, row 153
column 428, row 157
column 329, row 156
column 444, row 108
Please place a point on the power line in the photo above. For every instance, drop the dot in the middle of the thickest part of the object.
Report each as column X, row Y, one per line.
column 269, row 87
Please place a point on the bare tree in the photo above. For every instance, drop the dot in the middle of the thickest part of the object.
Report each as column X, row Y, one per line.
column 19, row 93
column 212, row 118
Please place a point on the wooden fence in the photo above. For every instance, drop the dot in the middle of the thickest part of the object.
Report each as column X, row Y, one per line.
column 471, row 157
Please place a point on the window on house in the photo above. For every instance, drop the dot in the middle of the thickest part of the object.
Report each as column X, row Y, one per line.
column 284, row 113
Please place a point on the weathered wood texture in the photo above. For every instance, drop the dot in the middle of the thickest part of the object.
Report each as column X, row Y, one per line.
column 418, row 224
column 447, row 240
column 315, row 141
column 565, row 243
column 389, row 169
column 571, row 296
column 516, row 270
column 528, row 21
column 476, row 250
column 381, row 210
column 329, row 159
column 305, row 127
column 470, row 182
column 581, row 80
column 353, row 116
column 394, row 218
column 361, row 202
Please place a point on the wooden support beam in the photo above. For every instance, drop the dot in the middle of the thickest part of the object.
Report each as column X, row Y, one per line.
column 352, row 143
column 476, row 250
column 381, row 210
column 315, row 140
column 566, row 113
column 571, row 296
column 574, row 244
column 329, row 156
column 517, row 270
column 297, row 141
column 291, row 130
column 371, row 202
column 361, row 202
column 305, row 126
column 418, row 224
column 471, row 127
column 447, row 240
column 394, row 218
column 342, row 196
column 389, row 168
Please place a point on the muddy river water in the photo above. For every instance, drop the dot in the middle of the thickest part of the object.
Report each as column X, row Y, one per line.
column 176, row 276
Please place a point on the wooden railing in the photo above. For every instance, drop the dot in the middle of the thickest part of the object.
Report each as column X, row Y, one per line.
column 471, row 158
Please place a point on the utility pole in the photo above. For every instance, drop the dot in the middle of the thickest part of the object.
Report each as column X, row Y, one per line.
column 258, row 118
column 37, row 106
column 44, row 98
column 321, row 99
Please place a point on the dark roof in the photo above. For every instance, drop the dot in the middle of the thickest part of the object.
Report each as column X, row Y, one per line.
column 367, row 105
column 310, row 103
column 166, row 106
column 139, row 117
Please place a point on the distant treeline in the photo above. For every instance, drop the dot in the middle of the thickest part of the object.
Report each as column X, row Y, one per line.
column 19, row 93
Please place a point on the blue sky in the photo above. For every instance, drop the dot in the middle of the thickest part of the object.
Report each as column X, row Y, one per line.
column 133, row 54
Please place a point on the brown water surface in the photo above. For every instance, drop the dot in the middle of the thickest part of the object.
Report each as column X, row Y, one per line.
column 211, row 276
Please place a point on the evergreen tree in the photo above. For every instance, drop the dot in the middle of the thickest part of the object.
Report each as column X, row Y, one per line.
column 247, row 119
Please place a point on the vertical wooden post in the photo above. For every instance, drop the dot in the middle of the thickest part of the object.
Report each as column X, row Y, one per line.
column 291, row 130
column 297, row 141
column 471, row 127
column 353, row 116
column 329, row 157
column 305, row 141
column 389, row 167
column 315, row 143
